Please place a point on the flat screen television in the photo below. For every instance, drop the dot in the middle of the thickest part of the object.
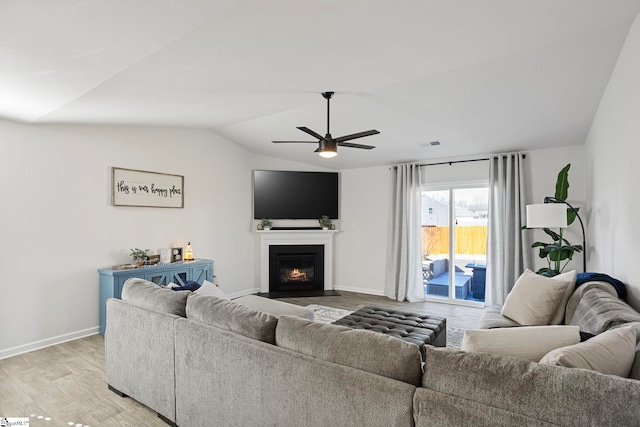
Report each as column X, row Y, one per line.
column 295, row 195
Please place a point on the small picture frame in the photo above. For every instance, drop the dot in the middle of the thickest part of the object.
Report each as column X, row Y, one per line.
column 176, row 254
column 153, row 259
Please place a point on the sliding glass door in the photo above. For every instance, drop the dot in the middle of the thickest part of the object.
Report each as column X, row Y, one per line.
column 454, row 242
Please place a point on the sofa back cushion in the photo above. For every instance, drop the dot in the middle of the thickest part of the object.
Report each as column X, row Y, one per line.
column 232, row 317
column 551, row 394
column 598, row 311
column 146, row 294
column 365, row 350
column 635, row 368
column 439, row 266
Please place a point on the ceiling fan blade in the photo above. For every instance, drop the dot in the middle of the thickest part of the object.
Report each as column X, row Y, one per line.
column 310, row 132
column 356, row 135
column 295, row 142
column 352, row 145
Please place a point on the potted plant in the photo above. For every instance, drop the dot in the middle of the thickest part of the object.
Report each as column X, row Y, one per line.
column 560, row 250
column 325, row 222
column 139, row 256
column 265, row 224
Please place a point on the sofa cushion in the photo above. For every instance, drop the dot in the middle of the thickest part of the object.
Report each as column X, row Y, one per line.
column 439, row 266
column 365, row 350
column 274, row 307
column 611, row 352
column 635, row 368
column 491, row 318
column 598, row 310
column 549, row 394
column 526, row 342
column 232, row 317
column 534, row 299
column 149, row 295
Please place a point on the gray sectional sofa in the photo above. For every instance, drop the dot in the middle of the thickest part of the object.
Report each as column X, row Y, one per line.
column 203, row 361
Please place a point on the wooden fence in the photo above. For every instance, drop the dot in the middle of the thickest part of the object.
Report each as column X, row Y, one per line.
column 469, row 239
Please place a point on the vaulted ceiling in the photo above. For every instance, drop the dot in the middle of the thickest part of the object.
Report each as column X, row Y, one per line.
column 479, row 76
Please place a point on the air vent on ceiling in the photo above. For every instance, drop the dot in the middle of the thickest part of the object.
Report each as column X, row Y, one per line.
column 430, row 144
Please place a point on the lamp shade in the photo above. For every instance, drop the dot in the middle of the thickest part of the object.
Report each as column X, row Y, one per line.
column 547, row 215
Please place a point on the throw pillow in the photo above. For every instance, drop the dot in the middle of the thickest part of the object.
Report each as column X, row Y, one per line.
column 612, row 352
column 526, row 342
column 534, row 299
column 209, row 288
column 558, row 317
column 189, row 285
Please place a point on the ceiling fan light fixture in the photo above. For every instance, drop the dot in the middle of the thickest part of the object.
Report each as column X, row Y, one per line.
column 327, row 148
column 327, row 154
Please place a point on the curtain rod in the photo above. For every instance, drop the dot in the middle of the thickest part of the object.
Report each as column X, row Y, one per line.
column 484, row 159
column 454, row 161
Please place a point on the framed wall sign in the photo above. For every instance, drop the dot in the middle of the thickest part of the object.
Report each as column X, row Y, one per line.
column 130, row 187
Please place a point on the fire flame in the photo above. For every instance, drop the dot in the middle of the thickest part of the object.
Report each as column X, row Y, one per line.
column 296, row 274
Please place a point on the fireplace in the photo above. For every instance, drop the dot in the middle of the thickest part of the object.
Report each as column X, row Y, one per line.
column 300, row 240
column 294, row 268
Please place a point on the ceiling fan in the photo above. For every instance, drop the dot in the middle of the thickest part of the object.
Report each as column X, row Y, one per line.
column 328, row 145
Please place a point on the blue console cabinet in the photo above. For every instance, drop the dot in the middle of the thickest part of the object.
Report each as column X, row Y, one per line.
column 111, row 280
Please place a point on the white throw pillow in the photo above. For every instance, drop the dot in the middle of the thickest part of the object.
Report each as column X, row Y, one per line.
column 571, row 277
column 209, row 288
column 525, row 342
column 534, row 299
column 612, row 352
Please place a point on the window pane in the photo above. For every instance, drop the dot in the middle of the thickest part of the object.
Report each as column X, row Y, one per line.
column 471, row 208
column 466, row 226
column 435, row 243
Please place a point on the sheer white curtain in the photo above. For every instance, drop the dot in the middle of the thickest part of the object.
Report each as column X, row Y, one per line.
column 404, row 250
column 508, row 252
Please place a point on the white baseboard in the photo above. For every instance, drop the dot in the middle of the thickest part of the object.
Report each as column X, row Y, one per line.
column 37, row 345
column 378, row 292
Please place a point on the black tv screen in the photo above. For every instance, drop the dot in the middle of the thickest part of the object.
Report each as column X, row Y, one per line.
column 295, row 195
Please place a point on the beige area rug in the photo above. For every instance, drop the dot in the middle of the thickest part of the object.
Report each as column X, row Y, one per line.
column 324, row 314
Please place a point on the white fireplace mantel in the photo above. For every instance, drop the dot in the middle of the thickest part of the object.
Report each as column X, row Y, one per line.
column 296, row 237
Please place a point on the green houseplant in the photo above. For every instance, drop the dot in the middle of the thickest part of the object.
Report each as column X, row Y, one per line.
column 139, row 256
column 265, row 224
column 325, row 222
column 560, row 251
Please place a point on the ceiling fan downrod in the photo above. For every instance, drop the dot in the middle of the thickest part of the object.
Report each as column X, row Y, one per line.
column 327, row 96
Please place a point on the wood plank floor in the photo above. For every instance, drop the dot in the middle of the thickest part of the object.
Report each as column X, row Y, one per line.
column 66, row 385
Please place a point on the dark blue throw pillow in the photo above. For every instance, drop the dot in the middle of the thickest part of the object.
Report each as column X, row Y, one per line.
column 189, row 285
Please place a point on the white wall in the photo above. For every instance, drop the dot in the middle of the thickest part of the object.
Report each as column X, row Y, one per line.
column 58, row 227
column 361, row 245
column 612, row 148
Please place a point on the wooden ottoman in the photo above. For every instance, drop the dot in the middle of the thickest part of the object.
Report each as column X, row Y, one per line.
column 419, row 329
